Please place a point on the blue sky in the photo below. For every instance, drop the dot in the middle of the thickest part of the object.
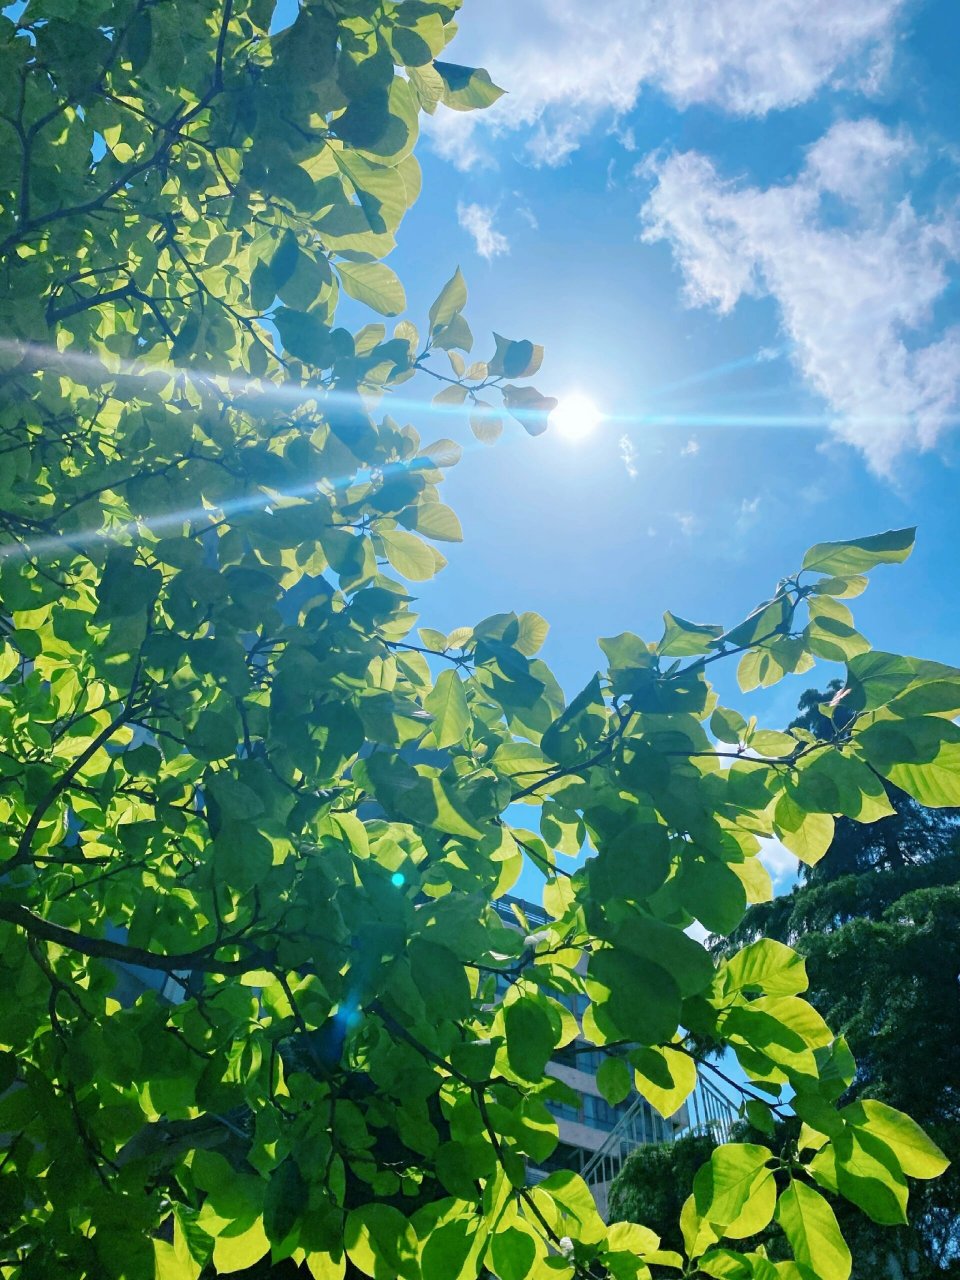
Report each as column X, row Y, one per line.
column 749, row 223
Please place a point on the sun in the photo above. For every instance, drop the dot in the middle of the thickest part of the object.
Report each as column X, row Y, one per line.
column 576, row 417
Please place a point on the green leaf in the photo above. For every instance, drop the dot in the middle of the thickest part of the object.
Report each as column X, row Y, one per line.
column 767, row 966
column 713, row 892
column 807, row 835
column 530, row 1037
column 864, row 1171
column 811, row 1227
column 768, row 742
column 454, row 395
column 171, row 1265
column 304, row 336
column 433, row 520
column 410, row 556
column 326, row 1266
column 841, row 559
column 918, row 1155
column 531, row 634
column 834, row 782
column 613, row 1080
column 515, row 359
column 767, row 622
column 633, row 864
column 447, row 703
column 466, row 88
column 485, row 423
column 514, row 1250
column 643, row 935
column 574, row 735
column 735, row 1191
column 9, row 660
column 380, row 1243
column 682, row 639
column 727, row 1264
column 845, row 588
column 698, row 1233
column 760, row 1117
column 830, row 633
column 876, row 678
column 450, row 301
column 454, row 336
column 935, row 783
column 529, row 407
column 815, row 1111
column 285, row 1200
column 375, row 284
column 643, row 999
column 728, row 726
column 440, row 978
column 240, row 1249
column 665, row 1076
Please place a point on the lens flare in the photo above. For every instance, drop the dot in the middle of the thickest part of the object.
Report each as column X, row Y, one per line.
column 576, row 417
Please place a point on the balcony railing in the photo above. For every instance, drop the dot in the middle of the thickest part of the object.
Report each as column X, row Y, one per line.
column 707, row 1111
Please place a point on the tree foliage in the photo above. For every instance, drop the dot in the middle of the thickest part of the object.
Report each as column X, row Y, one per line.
column 878, row 923
column 881, row 951
column 232, row 766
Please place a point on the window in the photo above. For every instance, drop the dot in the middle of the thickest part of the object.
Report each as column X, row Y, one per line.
column 564, row 1110
column 574, row 1001
column 598, row 1113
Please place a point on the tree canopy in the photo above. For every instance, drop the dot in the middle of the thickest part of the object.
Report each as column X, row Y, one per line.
column 878, row 924
column 258, row 1008
column 876, row 921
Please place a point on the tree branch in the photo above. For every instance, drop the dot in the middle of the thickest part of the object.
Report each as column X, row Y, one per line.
column 105, row 949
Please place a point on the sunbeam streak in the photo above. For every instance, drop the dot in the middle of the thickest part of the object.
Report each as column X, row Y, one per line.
column 388, row 401
column 763, row 356
column 32, row 357
column 170, row 520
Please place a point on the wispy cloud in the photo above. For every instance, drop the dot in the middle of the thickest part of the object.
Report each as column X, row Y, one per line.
column 477, row 220
column 748, row 515
column 628, row 456
column 691, row 448
column 526, row 213
column 687, row 523
column 856, row 292
column 745, row 57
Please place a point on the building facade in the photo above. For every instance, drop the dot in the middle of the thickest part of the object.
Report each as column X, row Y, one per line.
column 595, row 1137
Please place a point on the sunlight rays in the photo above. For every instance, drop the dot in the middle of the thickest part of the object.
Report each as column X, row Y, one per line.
column 575, row 419
column 283, row 393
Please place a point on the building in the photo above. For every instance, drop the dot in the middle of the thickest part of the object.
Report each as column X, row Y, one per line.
column 595, row 1137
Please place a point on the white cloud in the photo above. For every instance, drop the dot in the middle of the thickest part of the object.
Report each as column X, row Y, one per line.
column 687, row 522
column 565, row 71
column 690, row 449
column 747, row 516
column 628, row 456
column 526, row 213
column 780, row 863
column 856, row 159
column 477, row 219
column 855, row 294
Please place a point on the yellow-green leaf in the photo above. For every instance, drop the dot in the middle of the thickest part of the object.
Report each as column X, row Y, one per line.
column 811, row 1227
